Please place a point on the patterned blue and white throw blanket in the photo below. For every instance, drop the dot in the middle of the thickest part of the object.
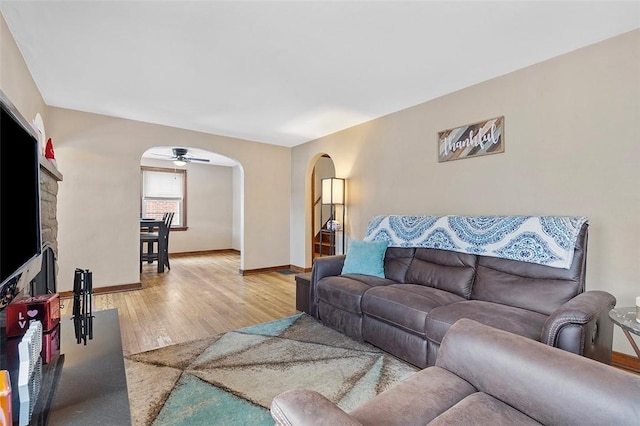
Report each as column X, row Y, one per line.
column 546, row 240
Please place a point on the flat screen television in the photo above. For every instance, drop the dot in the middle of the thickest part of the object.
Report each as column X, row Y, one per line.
column 20, row 227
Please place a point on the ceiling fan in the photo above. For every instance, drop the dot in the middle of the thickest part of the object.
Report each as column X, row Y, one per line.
column 180, row 157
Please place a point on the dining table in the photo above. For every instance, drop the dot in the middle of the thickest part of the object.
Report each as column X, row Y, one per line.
column 148, row 225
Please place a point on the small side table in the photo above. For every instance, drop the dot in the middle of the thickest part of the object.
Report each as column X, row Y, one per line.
column 303, row 282
column 625, row 317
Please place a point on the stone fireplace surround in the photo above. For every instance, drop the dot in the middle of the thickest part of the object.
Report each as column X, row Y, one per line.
column 49, row 179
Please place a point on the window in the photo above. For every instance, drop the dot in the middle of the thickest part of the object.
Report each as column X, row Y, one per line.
column 164, row 190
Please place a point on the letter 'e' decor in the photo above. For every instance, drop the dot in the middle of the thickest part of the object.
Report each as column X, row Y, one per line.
column 472, row 140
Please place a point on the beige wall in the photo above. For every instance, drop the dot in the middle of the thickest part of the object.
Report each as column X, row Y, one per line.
column 571, row 148
column 15, row 78
column 98, row 204
column 236, row 227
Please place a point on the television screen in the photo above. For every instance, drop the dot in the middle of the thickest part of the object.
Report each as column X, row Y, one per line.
column 20, row 233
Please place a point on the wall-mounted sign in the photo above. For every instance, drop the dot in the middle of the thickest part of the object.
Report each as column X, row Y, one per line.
column 472, row 140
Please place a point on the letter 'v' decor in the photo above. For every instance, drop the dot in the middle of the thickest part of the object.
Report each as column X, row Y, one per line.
column 472, row 140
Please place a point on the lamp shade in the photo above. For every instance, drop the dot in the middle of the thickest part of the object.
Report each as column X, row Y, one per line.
column 332, row 191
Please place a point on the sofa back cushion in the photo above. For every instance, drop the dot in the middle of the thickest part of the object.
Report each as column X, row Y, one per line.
column 397, row 261
column 531, row 286
column 442, row 269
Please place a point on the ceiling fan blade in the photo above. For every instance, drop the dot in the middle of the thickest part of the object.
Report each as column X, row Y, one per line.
column 204, row 160
column 162, row 155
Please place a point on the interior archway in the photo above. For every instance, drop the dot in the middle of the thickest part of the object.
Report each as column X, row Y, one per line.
column 323, row 167
column 215, row 200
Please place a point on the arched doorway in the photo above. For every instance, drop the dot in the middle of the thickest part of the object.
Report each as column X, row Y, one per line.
column 215, row 206
column 322, row 243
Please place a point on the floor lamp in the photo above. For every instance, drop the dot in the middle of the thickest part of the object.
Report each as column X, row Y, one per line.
column 332, row 196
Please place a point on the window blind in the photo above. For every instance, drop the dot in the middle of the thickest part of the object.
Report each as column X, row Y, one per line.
column 162, row 184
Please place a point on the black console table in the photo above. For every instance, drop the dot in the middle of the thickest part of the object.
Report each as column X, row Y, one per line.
column 85, row 384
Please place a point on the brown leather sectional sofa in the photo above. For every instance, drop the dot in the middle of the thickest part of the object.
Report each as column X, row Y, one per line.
column 425, row 291
column 485, row 376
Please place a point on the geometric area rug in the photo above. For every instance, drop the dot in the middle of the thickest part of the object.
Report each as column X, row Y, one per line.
column 231, row 378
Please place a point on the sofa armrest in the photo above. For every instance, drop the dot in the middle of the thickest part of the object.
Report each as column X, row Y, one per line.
column 582, row 326
column 309, row 408
column 326, row 266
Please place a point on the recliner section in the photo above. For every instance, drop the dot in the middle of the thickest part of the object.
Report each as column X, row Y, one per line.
column 485, row 376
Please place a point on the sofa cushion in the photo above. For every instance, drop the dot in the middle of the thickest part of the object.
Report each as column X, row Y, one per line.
column 482, row 409
column 416, row 400
column 405, row 305
column 516, row 320
column 365, row 257
column 530, row 286
column 345, row 291
column 446, row 270
column 397, row 261
column 525, row 285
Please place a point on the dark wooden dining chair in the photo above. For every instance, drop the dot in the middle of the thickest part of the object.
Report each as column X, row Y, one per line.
column 157, row 244
column 167, row 222
column 149, row 237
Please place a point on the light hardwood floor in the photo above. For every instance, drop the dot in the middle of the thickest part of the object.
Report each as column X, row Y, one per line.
column 202, row 295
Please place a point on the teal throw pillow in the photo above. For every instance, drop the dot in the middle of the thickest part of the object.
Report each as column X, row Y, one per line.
column 365, row 257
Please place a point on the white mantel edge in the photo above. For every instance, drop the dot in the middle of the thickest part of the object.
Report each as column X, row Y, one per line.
column 50, row 168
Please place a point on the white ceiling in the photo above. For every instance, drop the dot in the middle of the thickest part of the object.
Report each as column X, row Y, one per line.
column 286, row 72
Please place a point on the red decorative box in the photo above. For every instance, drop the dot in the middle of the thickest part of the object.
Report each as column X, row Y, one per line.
column 50, row 344
column 20, row 313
